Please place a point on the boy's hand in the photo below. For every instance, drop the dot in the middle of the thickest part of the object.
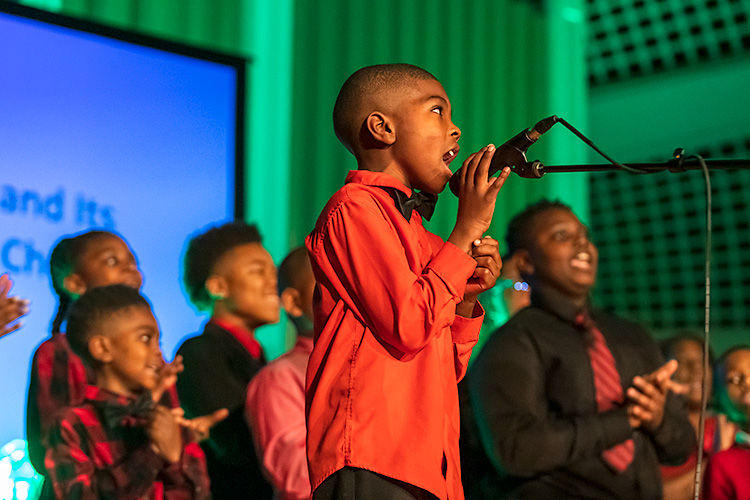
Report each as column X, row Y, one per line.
column 476, row 198
column 727, row 431
column 11, row 308
column 489, row 264
column 200, row 427
column 167, row 377
column 164, row 433
column 648, row 395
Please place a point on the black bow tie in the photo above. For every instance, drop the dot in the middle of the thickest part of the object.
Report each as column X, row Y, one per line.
column 135, row 413
column 424, row 203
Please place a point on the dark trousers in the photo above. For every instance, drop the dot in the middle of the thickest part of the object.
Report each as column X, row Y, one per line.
column 350, row 483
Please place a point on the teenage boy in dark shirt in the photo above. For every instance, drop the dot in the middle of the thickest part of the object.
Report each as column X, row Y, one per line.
column 229, row 273
column 572, row 402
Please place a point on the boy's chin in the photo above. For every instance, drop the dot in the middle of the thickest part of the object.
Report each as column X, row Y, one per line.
column 434, row 189
column 143, row 389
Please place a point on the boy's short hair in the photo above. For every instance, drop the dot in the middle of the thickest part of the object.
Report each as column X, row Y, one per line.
column 721, row 400
column 205, row 249
column 669, row 345
column 521, row 226
column 377, row 82
column 289, row 270
column 92, row 308
column 721, row 363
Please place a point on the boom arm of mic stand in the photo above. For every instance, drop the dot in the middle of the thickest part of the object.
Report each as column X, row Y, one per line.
column 536, row 169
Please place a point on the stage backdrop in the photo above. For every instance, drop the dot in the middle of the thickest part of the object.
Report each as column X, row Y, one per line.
column 102, row 133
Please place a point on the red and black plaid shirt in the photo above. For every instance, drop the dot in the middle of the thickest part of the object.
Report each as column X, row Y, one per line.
column 87, row 459
column 57, row 382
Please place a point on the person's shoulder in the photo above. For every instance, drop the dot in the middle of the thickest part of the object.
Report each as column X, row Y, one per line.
column 631, row 328
column 516, row 329
column 269, row 376
column 352, row 197
column 736, row 456
column 278, row 368
column 605, row 315
column 44, row 352
column 77, row 418
column 197, row 344
column 54, row 348
column 521, row 322
column 49, row 346
column 364, row 191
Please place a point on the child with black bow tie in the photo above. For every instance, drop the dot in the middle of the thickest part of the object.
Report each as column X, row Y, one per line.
column 119, row 443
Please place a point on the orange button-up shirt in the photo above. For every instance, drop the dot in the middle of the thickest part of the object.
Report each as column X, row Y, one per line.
column 389, row 348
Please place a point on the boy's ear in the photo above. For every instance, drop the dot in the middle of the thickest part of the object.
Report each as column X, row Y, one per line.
column 523, row 263
column 290, row 301
column 100, row 347
column 216, row 286
column 380, row 126
column 74, row 284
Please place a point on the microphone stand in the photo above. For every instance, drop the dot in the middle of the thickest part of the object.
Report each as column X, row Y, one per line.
column 536, row 169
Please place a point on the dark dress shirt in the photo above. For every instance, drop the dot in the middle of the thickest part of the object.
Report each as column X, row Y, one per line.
column 532, row 391
column 217, row 371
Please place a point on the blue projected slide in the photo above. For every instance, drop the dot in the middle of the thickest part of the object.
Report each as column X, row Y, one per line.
column 99, row 132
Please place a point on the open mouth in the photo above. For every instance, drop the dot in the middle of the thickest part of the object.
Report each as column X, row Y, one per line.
column 451, row 155
column 582, row 260
column 272, row 299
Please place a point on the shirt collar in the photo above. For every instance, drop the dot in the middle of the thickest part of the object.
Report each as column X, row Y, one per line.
column 305, row 343
column 243, row 336
column 377, row 179
column 558, row 304
column 97, row 394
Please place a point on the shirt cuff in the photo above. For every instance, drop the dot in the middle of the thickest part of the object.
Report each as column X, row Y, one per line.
column 454, row 267
column 147, row 457
column 615, row 427
column 466, row 330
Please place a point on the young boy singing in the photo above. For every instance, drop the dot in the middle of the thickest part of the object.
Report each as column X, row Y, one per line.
column 118, row 443
column 396, row 314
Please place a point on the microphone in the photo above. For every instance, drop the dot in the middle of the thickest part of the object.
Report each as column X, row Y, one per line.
column 513, row 152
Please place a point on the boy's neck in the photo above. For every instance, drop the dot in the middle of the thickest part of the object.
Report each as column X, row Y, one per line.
column 222, row 316
column 379, row 160
column 109, row 381
column 578, row 301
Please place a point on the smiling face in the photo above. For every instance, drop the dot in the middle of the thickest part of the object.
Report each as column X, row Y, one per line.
column 689, row 355
column 560, row 254
column 132, row 359
column 106, row 260
column 244, row 283
column 737, row 383
column 426, row 140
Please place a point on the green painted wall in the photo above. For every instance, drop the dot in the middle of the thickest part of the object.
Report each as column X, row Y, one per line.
column 504, row 63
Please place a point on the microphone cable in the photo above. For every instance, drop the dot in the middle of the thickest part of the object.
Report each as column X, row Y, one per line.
column 593, row 146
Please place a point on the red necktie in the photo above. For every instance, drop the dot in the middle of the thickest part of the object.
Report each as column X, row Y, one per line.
column 608, row 389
